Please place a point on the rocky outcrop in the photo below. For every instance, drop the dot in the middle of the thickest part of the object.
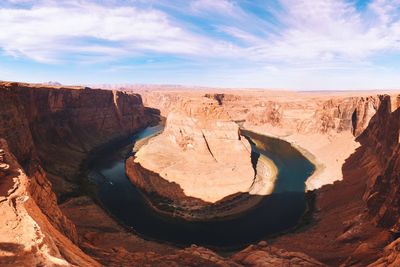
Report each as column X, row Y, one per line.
column 295, row 112
column 390, row 257
column 51, row 130
column 383, row 191
column 59, row 126
column 194, row 144
column 27, row 236
column 200, row 163
column 264, row 255
column 357, row 216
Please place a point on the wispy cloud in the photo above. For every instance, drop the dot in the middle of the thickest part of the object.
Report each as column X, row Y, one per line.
column 49, row 33
column 212, row 6
column 269, row 37
column 325, row 30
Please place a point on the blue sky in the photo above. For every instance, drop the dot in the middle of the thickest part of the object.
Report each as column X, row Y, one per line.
column 292, row 44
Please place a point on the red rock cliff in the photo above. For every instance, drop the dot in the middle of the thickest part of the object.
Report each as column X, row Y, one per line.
column 59, row 126
column 383, row 137
column 51, row 130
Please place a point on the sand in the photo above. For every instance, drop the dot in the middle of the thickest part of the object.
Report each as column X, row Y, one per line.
column 327, row 152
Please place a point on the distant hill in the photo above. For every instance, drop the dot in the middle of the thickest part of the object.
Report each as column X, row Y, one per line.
column 53, row 83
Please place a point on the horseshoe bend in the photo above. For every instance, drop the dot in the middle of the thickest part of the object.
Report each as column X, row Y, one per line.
column 198, row 177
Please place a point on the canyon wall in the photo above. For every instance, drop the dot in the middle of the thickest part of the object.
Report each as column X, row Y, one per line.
column 322, row 125
column 353, row 140
column 382, row 137
column 383, row 191
column 51, row 131
column 58, row 127
column 188, row 164
column 359, row 216
column 289, row 111
column 33, row 234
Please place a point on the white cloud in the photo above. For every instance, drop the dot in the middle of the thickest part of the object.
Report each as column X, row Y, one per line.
column 46, row 33
column 219, row 6
column 326, row 30
column 298, row 41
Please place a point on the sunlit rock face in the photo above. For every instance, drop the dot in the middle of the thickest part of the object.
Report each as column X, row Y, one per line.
column 207, row 158
column 322, row 125
column 59, row 126
column 200, row 157
column 33, row 229
column 50, row 131
column 383, row 191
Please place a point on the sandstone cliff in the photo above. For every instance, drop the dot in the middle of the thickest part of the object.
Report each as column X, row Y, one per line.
column 51, row 130
column 62, row 125
column 383, row 191
column 201, row 163
column 290, row 111
column 27, row 236
column 192, row 153
column 322, row 125
column 327, row 127
column 359, row 216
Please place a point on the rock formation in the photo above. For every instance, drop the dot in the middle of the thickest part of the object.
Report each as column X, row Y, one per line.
column 322, row 125
column 51, row 131
column 59, row 127
column 195, row 147
column 27, row 236
column 200, row 161
column 383, row 191
column 264, row 255
column 48, row 131
column 354, row 138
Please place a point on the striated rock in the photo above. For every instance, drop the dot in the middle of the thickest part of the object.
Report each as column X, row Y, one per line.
column 59, row 127
column 52, row 129
column 297, row 112
column 264, row 255
column 321, row 125
column 27, row 236
column 383, row 191
column 390, row 257
column 191, row 152
column 199, row 162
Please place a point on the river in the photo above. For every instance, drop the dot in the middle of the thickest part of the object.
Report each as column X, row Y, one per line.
column 276, row 213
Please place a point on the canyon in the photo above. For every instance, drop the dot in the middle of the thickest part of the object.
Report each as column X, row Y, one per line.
column 191, row 167
column 51, row 217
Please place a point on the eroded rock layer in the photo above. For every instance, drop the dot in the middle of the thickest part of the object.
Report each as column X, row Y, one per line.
column 359, row 216
column 353, row 139
column 62, row 125
column 323, row 125
column 201, row 165
column 32, row 234
column 50, row 130
column 382, row 137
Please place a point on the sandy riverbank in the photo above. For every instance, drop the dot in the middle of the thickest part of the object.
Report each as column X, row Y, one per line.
column 327, row 152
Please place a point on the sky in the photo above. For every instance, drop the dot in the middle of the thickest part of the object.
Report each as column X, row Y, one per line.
column 279, row 44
